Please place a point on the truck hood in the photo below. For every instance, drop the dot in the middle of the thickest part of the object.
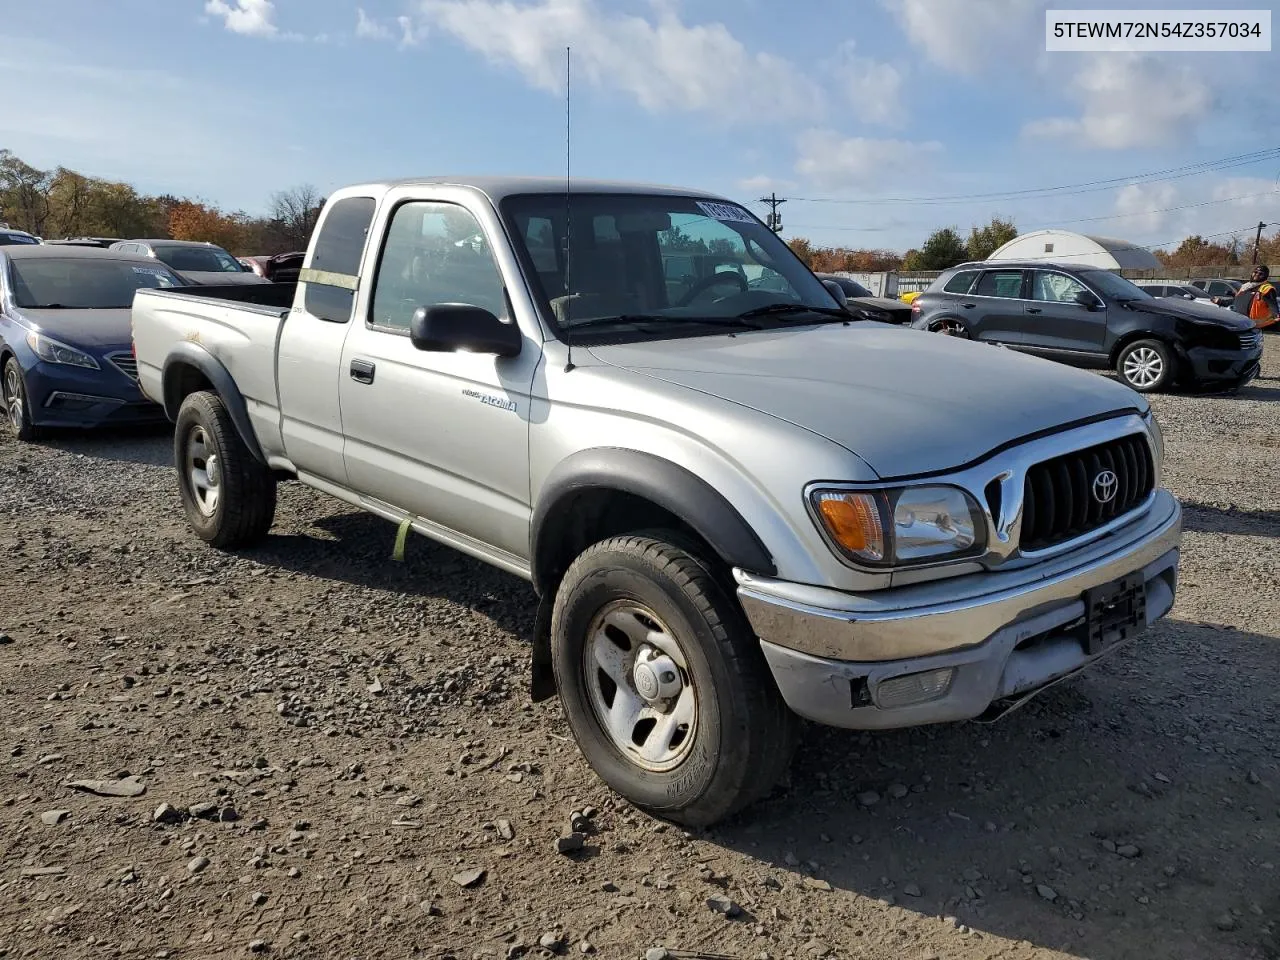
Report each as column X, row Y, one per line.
column 94, row 330
column 218, row 276
column 1195, row 310
column 904, row 401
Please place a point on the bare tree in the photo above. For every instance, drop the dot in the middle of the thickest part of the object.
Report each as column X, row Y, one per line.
column 294, row 213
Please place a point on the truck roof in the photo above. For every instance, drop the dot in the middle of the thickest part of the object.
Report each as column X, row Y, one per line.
column 498, row 187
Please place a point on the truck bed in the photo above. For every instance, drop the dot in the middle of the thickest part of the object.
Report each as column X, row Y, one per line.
column 271, row 298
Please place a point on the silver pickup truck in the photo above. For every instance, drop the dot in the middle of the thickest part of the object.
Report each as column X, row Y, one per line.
column 738, row 503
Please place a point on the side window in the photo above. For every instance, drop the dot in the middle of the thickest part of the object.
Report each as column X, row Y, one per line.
column 1057, row 287
column 434, row 253
column 961, row 282
column 1000, row 283
column 338, row 250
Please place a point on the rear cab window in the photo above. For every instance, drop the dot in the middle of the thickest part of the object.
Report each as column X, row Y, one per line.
column 332, row 276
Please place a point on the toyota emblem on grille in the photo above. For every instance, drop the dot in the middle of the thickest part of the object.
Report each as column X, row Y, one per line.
column 1105, row 485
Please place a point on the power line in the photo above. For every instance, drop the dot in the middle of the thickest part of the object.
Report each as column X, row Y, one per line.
column 1072, row 189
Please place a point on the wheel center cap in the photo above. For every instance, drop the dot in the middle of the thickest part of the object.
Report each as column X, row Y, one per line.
column 656, row 677
column 212, row 469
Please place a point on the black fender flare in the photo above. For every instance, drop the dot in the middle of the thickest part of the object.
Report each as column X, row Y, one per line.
column 194, row 355
column 677, row 490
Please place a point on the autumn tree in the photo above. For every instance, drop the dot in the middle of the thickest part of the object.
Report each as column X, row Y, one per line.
column 24, row 194
column 189, row 220
column 802, row 248
column 984, row 241
column 294, row 213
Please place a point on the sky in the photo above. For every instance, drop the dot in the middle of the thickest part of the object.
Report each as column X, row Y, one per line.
column 860, row 112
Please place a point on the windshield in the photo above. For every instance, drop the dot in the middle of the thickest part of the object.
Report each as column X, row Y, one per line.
column 84, row 284
column 199, row 259
column 1114, row 285
column 12, row 239
column 668, row 261
column 853, row 288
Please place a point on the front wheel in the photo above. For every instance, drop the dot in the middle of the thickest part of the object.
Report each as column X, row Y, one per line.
column 16, row 404
column 1146, row 365
column 229, row 497
column 663, row 683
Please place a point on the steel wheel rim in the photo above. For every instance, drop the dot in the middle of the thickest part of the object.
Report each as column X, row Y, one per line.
column 13, row 396
column 950, row 328
column 1143, row 367
column 204, row 471
column 627, row 647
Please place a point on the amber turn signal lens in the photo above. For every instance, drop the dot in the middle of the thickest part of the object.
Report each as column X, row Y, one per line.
column 853, row 521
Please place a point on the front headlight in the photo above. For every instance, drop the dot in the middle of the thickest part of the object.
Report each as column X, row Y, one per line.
column 1157, row 441
column 51, row 351
column 905, row 526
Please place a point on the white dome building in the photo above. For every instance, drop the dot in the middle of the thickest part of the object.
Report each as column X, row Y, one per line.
column 1106, row 253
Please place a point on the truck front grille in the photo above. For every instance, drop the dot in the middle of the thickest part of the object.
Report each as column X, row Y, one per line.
column 1069, row 496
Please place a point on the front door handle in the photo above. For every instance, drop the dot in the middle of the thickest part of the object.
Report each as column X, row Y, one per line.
column 1034, row 310
column 362, row 371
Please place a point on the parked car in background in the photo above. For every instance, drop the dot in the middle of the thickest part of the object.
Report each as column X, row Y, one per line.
column 910, row 296
column 1221, row 290
column 66, row 349
column 1091, row 317
column 101, row 242
column 192, row 260
column 1171, row 289
column 280, row 268
column 863, row 303
column 11, row 237
column 736, row 504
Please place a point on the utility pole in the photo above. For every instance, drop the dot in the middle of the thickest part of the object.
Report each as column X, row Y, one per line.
column 774, row 220
column 1257, row 240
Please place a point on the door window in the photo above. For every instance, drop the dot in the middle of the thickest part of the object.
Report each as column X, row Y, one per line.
column 1000, row 283
column 338, row 250
column 434, row 253
column 1055, row 287
column 961, row 282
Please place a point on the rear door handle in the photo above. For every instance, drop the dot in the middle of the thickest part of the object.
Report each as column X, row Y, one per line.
column 969, row 306
column 362, row 371
column 1034, row 310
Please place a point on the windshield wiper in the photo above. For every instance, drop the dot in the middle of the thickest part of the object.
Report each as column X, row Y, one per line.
column 775, row 309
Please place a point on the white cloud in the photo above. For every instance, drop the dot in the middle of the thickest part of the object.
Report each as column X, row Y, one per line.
column 966, row 36
column 872, row 89
column 828, row 159
column 1157, row 212
column 369, row 29
column 250, row 17
column 1139, row 207
column 1130, row 101
column 665, row 64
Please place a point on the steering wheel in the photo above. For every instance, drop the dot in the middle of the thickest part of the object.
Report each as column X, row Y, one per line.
column 706, row 283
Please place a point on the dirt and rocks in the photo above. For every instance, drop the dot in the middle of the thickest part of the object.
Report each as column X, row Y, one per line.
column 311, row 750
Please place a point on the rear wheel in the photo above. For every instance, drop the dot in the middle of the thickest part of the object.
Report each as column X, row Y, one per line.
column 17, row 407
column 229, row 497
column 1146, row 365
column 663, row 683
column 950, row 326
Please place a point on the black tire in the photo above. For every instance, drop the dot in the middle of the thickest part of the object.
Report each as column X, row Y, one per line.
column 17, row 408
column 743, row 734
column 245, row 503
column 949, row 326
column 1147, row 366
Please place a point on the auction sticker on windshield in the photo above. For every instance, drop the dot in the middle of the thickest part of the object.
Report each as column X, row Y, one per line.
column 725, row 211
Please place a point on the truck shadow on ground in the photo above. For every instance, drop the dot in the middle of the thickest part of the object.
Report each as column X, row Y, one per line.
column 1012, row 829
column 356, row 548
column 1248, row 523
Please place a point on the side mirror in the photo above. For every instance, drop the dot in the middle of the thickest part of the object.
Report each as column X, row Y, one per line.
column 1088, row 300
column 836, row 291
column 445, row 327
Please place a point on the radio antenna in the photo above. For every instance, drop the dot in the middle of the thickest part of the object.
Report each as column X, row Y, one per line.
column 568, row 226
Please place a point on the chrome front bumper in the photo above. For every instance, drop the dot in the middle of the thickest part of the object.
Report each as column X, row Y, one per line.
column 1001, row 633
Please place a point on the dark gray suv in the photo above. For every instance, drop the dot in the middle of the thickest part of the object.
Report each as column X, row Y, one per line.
column 1089, row 317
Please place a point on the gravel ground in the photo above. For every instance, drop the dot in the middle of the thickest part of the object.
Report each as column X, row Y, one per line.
column 340, row 760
